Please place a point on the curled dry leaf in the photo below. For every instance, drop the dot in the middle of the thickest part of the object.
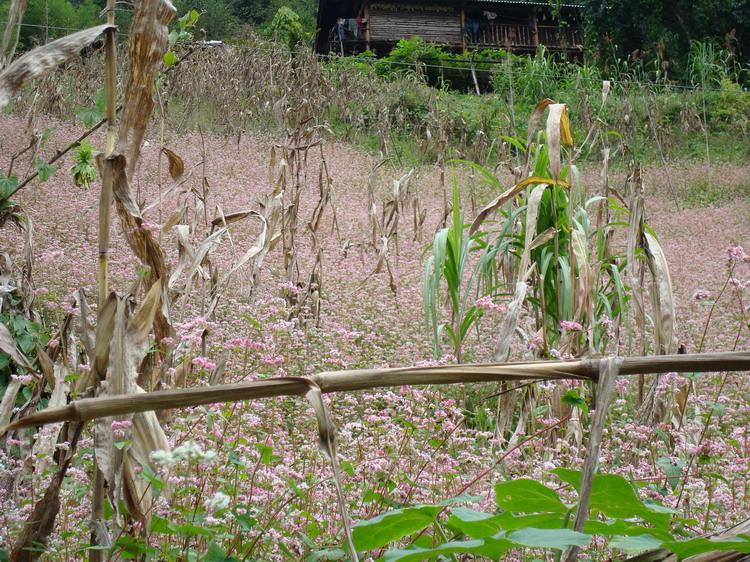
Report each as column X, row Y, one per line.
column 531, row 128
column 8, row 402
column 609, row 370
column 176, row 164
column 143, row 243
column 44, row 446
column 662, row 296
column 41, row 60
column 506, row 196
column 224, row 220
column 146, row 48
column 558, row 133
column 327, row 445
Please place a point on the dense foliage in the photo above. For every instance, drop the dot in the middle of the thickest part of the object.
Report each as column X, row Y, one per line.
column 660, row 33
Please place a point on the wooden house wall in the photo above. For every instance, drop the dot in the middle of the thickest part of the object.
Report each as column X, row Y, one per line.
column 390, row 22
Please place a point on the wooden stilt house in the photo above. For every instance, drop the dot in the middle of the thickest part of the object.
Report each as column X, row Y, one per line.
column 347, row 26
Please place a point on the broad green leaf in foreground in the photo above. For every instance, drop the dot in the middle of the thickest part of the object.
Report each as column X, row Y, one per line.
column 637, row 543
column 393, row 525
column 549, row 538
column 699, row 545
column 490, row 547
column 527, row 496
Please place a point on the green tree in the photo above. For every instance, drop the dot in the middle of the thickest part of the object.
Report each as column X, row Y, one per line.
column 660, row 32
column 45, row 20
column 286, row 27
column 217, row 19
column 261, row 12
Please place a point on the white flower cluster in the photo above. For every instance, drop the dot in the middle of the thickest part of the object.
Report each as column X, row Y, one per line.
column 218, row 502
column 189, row 451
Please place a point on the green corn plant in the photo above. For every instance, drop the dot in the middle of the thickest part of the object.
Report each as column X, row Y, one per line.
column 544, row 234
column 451, row 249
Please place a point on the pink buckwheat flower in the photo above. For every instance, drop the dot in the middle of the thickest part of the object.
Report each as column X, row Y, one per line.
column 204, row 363
column 571, row 326
column 735, row 252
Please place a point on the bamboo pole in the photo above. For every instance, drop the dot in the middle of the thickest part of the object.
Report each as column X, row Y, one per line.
column 368, row 379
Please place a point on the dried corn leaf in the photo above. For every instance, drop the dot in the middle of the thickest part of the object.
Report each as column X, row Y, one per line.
column 662, row 297
column 185, row 253
column 510, row 322
column 8, row 402
column 146, row 48
column 327, row 444
column 510, row 194
column 260, row 243
column 176, row 217
column 176, row 164
column 100, row 359
column 224, row 220
column 201, row 253
column 143, row 243
column 129, row 345
column 46, row 365
column 543, row 238
column 44, row 446
column 531, row 129
column 558, row 132
column 147, row 436
column 41, row 60
column 609, row 370
column 85, row 330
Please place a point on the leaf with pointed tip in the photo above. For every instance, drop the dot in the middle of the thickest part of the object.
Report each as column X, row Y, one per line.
column 176, row 164
column 524, row 495
column 41, row 60
column 393, row 526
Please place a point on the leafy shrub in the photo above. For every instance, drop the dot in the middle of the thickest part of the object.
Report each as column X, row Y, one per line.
column 286, row 27
column 530, row 515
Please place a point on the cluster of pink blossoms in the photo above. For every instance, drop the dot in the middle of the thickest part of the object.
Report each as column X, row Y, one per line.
column 570, row 326
column 487, row 304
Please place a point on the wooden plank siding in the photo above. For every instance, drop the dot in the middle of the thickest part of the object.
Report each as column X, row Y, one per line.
column 388, row 22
